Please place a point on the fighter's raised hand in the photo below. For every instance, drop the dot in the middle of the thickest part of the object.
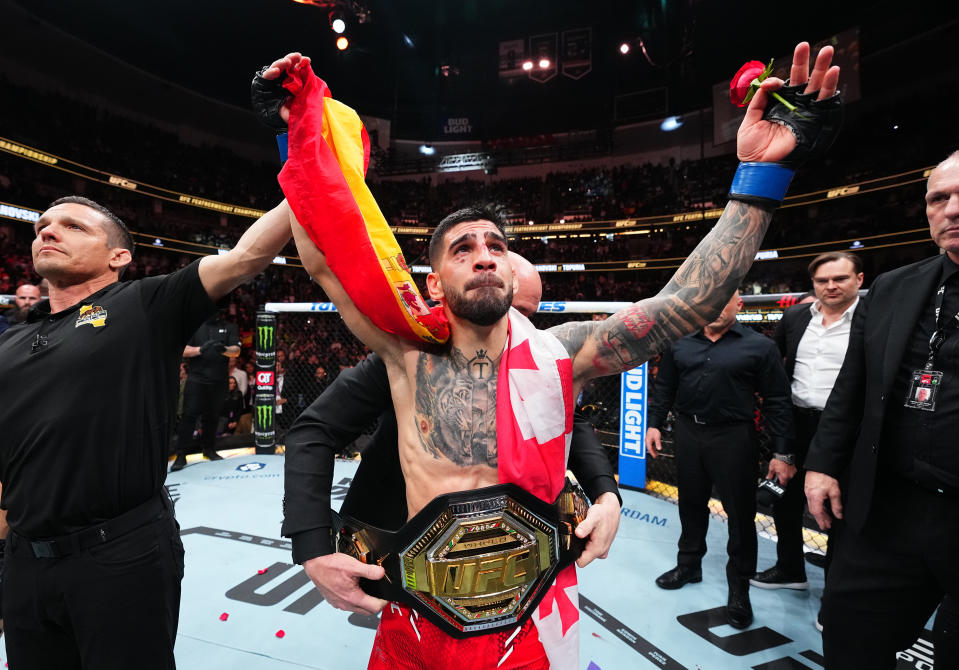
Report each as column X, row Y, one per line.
column 291, row 61
column 825, row 76
column 770, row 132
column 270, row 100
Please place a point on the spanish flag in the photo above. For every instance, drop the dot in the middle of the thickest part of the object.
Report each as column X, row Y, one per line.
column 324, row 182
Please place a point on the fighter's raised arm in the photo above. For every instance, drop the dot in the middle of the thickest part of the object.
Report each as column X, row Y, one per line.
column 493, row 408
column 340, row 232
column 360, row 325
column 770, row 143
column 263, row 240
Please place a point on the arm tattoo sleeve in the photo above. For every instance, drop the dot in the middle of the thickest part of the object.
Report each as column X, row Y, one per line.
column 694, row 296
column 574, row 334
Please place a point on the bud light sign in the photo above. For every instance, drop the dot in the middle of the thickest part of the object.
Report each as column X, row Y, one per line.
column 632, row 427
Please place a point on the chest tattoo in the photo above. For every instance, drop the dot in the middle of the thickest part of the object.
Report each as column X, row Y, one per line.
column 455, row 408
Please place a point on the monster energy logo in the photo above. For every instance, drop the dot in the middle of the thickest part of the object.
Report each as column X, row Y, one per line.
column 264, row 416
column 264, row 337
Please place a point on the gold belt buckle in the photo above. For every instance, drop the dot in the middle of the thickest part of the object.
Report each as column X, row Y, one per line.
column 480, row 561
column 486, row 558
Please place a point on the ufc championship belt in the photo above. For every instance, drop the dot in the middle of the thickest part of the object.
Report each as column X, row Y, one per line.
column 472, row 562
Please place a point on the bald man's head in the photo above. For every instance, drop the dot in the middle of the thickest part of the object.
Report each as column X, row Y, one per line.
column 527, row 296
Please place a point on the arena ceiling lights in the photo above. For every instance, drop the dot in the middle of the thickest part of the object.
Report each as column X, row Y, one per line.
column 543, row 63
column 671, row 123
column 355, row 7
column 341, row 13
column 317, row 3
column 338, row 21
column 464, row 162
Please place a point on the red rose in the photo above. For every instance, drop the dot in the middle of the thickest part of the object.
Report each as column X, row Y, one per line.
column 739, row 86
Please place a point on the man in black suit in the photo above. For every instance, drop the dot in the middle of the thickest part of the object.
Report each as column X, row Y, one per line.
column 889, row 430
column 355, row 399
column 710, row 380
column 812, row 339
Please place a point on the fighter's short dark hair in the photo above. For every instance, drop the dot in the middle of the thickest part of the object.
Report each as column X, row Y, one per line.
column 487, row 212
column 118, row 235
column 832, row 256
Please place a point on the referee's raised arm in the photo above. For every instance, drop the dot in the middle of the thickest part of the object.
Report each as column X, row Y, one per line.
column 250, row 256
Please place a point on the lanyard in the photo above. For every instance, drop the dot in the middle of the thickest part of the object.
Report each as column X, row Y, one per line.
column 942, row 329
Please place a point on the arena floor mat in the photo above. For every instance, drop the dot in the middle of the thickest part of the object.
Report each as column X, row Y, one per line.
column 245, row 606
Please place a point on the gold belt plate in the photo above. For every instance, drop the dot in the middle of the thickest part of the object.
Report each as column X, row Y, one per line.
column 480, row 562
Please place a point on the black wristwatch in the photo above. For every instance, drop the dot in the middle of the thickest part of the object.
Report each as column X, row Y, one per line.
column 788, row 459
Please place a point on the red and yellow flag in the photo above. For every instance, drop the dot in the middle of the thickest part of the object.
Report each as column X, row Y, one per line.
column 324, row 182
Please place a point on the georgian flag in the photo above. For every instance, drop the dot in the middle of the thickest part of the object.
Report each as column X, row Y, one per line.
column 534, row 423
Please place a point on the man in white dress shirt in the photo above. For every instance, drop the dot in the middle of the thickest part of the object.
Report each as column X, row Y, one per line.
column 813, row 339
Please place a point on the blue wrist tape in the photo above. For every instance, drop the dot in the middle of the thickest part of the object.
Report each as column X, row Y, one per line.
column 282, row 143
column 761, row 182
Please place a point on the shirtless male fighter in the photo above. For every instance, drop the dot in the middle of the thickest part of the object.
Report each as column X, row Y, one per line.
column 452, row 431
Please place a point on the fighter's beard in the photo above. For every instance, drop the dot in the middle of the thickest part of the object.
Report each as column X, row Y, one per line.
column 485, row 309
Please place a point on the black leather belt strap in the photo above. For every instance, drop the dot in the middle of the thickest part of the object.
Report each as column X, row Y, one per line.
column 157, row 507
column 807, row 411
column 701, row 421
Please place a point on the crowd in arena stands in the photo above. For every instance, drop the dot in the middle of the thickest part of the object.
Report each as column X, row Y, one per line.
column 595, row 194
column 117, row 144
column 30, row 184
column 314, row 349
column 107, row 141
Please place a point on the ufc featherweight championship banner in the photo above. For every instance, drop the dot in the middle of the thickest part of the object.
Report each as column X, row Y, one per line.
column 264, row 384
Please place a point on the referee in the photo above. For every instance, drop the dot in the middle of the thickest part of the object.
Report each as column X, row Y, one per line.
column 94, row 559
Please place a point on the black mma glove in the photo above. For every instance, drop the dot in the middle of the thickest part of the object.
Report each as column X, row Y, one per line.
column 212, row 347
column 814, row 123
column 267, row 96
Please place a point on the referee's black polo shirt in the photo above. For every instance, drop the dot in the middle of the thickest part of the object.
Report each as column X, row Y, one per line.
column 87, row 398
